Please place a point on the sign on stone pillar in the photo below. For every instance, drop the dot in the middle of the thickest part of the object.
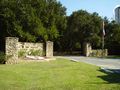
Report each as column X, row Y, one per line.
column 49, row 49
column 11, row 50
column 87, row 49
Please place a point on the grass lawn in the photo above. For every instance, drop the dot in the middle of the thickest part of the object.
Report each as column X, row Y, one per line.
column 113, row 57
column 56, row 75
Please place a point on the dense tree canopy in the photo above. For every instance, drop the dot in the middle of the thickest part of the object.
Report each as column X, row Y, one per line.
column 83, row 27
column 42, row 20
column 112, row 37
column 32, row 19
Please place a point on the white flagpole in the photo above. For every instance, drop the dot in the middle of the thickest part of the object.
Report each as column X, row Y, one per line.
column 103, row 34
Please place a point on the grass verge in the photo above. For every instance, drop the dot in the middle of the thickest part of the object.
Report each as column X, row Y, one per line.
column 113, row 57
column 60, row 74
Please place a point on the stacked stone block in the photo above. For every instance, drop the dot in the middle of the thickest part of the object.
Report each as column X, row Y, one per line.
column 49, row 49
column 99, row 52
column 13, row 47
column 11, row 50
column 88, row 51
column 28, row 47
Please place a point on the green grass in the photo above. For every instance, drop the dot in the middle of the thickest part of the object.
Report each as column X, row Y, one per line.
column 56, row 75
column 113, row 57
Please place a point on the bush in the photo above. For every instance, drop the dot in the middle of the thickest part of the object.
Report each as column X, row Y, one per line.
column 36, row 52
column 2, row 58
column 21, row 53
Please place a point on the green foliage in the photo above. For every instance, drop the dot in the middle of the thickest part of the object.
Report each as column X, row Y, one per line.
column 35, row 52
column 30, row 20
column 78, row 45
column 52, row 32
column 82, row 27
column 21, row 53
column 2, row 58
column 42, row 20
column 112, row 37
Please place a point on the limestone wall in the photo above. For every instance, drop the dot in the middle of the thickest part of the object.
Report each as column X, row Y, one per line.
column 49, row 49
column 11, row 50
column 99, row 52
column 88, row 51
column 15, row 49
column 27, row 48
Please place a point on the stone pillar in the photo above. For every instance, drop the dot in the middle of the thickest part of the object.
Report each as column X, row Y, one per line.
column 49, row 49
column 87, row 49
column 105, row 52
column 11, row 50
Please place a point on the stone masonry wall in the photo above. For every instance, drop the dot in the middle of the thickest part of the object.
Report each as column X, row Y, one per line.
column 49, row 49
column 11, row 50
column 99, row 52
column 88, row 51
column 15, row 49
column 27, row 48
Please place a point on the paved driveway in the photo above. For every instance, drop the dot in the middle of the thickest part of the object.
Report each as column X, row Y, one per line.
column 104, row 63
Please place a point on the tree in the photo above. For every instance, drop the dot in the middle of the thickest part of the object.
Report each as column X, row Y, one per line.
column 112, row 41
column 32, row 20
column 83, row 27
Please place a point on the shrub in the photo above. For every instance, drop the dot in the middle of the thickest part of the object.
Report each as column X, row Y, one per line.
column 21, row 53
column 36, row 52
column 2, row 58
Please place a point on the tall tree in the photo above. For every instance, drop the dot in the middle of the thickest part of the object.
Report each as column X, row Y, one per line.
column 31, row 20
column 112, row 41
column 83, row 27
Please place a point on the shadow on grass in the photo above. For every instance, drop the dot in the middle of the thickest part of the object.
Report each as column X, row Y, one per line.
column 112, row 75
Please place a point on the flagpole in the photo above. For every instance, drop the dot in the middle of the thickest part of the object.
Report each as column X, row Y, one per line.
column 103, row 39
column 103, row 43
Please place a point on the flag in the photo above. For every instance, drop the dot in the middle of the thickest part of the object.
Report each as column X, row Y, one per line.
column 103, row 29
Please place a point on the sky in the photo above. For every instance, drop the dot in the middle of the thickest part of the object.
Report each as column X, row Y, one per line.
column 102, row 7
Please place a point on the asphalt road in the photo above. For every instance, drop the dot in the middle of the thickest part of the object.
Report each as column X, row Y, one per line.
column 101, row 62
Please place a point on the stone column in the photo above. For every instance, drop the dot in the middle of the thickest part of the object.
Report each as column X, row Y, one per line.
column 11, row 50
column 105, row 52
column 87, row 49
column 49, row 49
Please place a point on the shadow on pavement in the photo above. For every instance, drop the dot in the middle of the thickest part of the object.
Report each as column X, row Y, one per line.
column 112, row 75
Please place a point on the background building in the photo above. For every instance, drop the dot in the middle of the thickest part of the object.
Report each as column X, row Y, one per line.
column 117, row 14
